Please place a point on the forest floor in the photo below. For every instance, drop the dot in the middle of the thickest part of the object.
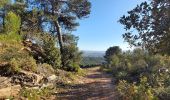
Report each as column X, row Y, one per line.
column 95, row 85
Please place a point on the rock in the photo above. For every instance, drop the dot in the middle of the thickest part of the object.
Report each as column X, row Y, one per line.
column 51, row 78
column 36, row 78
column 68, row 81
column 27, row 78
column 5, row 82
column 45, row 69
column 163, row 70
column 47, row 85
column 11, row 91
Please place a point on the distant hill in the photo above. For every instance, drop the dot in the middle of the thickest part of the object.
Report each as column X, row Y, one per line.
column 92, row 58
column 93, row 53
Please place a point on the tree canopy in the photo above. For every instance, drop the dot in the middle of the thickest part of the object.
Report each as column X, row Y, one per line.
column 45, row 24
column 56, row 17
column 110, row 52
column 148, row 26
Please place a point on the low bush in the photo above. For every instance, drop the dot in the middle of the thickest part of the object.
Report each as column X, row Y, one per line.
column 71, row 58
column 28, row 64
column 132, row 91
column 36, row 94
column 51, row 51
column 17, row 58
column 45, row 69
column 131, row 66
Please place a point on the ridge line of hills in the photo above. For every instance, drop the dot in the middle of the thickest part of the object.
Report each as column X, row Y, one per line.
column 88, row 53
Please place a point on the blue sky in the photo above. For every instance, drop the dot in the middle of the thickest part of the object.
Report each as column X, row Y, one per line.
column 102, row 30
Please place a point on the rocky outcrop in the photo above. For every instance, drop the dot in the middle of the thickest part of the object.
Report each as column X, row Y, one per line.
column 7, row 89
column 26, row 78
column 11, row 84
column 5, row 82
column 10, row 91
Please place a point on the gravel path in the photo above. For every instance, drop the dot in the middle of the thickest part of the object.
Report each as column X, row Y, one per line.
column 96, row 85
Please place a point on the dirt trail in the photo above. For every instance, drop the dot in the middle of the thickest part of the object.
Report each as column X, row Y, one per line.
column 96, row 85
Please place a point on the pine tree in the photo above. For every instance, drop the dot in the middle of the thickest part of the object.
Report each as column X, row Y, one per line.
column 63, row 15
column 151, row 22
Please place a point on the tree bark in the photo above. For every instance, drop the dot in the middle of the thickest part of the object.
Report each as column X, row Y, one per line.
column 59, row 35
column 60, row 39
column 3, row 20
column 20, row 28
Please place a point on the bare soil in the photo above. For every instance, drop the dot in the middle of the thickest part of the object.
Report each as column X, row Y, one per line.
column 96, row 85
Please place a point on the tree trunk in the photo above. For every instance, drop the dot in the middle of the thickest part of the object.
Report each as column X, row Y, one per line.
column 3, row 20
column 20, row 28
column 59, row 35
column 60, row 39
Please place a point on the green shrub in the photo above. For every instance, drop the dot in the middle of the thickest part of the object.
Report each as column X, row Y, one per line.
column 71, row 58
column 50, row 51
column 12, row 23
column 36, row 94
column 131, row 66
column 11, row 38
column 10, row 51
column 17, row 58
column 121, row 75
column 132, row 91
column 163, row 93
column 126, row 91
column 3, row 2
column 14, row 66
column 28, row 64
column 110, row 52
column 12, row 26
column 114, row 61
column 45, row 69
column 74, row 67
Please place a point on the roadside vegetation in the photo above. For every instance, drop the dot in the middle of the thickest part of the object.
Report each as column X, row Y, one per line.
column 138, row 74
column 39, row 54
column 143, row 74
column 37, row 47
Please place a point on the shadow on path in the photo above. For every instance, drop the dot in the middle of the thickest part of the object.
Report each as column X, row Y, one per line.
column 96, row 86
